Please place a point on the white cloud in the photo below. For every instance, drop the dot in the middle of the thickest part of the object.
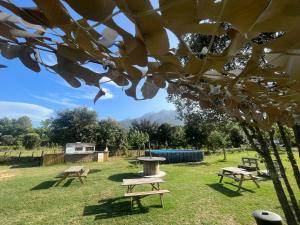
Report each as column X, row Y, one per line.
column 107, row 80
column 72, row 98
column 89, row 93
column 108, row 94
column 57, row 100
column 37, row 113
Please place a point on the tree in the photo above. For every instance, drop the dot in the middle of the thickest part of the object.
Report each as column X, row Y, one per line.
column 235, row 136
column 45, row 132
column 31, row 140
column 138, row 139
column 217, row 140
column 177, row 138
column 68, row 126
column 22, row 125
column 164, row 133
column 146, row 126
column 196, row 132
column 109, row 133
column 15, row 127
column 7, row 140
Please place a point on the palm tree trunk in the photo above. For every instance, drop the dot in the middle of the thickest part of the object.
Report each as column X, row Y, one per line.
column 296, row 129
column 284, row 177
column 290, row 153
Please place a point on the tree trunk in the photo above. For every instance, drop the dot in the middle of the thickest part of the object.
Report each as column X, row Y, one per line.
column 289, row 215
column 296, row 129
column 284, row 177
column 291, row 220
column 290, row 153
column 224, row 153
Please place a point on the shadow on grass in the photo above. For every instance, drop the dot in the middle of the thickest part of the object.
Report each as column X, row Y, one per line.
column 243, row 189
column 135, row 162
column 44, row 185
column 224, row 190
column 94, row 171
column 68, row 183
column 119, row 177
column 113, row 207
column 21, row 163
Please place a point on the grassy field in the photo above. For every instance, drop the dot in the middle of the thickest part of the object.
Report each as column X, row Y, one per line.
column 28, row 195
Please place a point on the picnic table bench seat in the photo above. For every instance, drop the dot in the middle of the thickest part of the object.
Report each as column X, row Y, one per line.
column 146, row 193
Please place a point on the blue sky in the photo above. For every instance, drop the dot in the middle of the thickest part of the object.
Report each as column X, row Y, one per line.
column 40, row 95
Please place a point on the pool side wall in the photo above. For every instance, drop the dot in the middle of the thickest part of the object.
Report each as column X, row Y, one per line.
column 178, row 157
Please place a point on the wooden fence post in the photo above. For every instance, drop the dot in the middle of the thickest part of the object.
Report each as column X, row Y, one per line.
column 20, row 154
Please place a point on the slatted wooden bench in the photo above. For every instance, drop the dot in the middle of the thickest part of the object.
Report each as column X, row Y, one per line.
column 250, row 164
column 144, row 194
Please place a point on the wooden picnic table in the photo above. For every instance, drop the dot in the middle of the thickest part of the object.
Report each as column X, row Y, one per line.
column 74, row 171
column 237, row 174
column 154, row 182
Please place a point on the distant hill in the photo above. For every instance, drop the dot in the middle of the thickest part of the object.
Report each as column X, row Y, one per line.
column 163, row 116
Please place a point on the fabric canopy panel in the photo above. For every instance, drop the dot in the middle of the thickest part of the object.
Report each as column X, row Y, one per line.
column 262, row 92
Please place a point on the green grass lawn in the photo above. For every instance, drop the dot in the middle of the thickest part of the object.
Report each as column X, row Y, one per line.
column 30, row 197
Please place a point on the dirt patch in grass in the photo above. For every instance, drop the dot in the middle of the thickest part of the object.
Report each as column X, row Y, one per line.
column 6, row 175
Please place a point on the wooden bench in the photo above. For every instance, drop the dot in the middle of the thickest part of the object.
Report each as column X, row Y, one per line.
column 250, row 164
column 146, row 193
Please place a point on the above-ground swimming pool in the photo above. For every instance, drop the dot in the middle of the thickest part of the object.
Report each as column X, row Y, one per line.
column 178, row 156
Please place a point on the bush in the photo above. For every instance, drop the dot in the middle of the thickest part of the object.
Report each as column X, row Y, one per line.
column 31, row 140
column 7, row 140
column 216, row 140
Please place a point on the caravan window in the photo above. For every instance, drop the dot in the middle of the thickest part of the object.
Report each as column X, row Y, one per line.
column 89, row 149
column 78, row 149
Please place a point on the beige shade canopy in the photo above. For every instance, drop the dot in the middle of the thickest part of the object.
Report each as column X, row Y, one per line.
column 252, row 93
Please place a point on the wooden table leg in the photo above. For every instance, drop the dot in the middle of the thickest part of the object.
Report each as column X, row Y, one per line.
column 154, row 187
column 221, row 178
column 63, row 178
column 241, row 182
column 253, row 179
column 130, row 188
column 161, row 201
column 79, row 177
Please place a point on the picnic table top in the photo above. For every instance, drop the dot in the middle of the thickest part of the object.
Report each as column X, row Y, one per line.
column 236, row 170
column 138, row 181
column 74, row 169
